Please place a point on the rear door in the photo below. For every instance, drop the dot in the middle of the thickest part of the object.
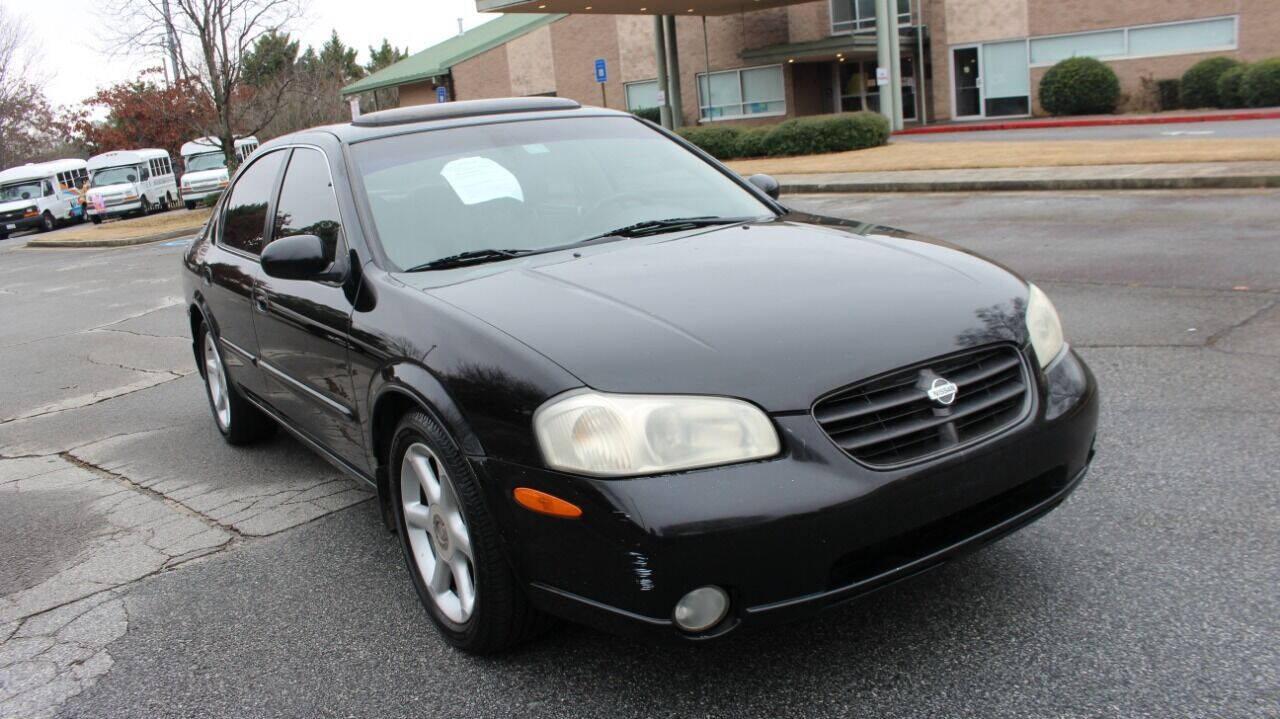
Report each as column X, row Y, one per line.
column 303, row 325
column 231, row 268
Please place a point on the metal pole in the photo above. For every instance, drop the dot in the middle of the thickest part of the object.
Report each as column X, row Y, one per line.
column 673, row 73
column 660, row 54
column 895, row 62
column 883, row 59
column 918, row 65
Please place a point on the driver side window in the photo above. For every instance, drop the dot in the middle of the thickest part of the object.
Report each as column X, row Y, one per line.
column 245, row 215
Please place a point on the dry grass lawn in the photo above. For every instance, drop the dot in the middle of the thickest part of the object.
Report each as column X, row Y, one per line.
column 908, row 155
column 171, row 221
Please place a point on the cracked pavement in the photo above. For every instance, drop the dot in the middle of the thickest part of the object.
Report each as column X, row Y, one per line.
column 148, row 569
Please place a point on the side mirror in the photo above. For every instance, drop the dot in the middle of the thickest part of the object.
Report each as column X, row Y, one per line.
column 26, row 195
column 131, row 178
column 765, row 184
column 296, row 257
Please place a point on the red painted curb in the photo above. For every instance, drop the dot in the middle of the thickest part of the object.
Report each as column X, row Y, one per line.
column 1092, row 122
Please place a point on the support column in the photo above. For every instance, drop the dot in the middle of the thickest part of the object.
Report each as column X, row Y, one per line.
column 673, row 72
column 660, row 54
column 884, row 60
column 895, row 62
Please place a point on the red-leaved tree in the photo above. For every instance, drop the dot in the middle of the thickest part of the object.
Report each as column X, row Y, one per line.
column 142, row 113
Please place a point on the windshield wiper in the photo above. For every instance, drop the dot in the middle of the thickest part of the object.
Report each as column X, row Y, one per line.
column 472, row 257
column 671, row 224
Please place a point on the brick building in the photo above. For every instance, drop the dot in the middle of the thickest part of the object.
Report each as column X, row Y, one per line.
column 982, row 58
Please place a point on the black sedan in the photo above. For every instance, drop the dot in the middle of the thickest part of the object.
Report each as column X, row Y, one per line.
column 592, row 373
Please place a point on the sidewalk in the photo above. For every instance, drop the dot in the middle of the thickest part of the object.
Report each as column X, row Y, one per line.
column 1179, row 176
column 1030, row 123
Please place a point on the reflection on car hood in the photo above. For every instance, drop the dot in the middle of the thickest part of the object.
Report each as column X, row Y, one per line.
column 122, row 188
column 778, row 312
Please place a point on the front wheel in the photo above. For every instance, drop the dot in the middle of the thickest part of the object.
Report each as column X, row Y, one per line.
column 95, row 219
column 237, row 420
column 47, row 222
column 451, row 545
column 191, row 204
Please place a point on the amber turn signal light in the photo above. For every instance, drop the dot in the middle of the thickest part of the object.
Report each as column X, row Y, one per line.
column 543, row 503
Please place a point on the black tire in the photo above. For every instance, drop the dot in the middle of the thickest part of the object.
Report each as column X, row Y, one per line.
column 95, row 219
column 47, row 222
column 502, row 615
column 191, row 204
column 4, row 234
column 243, row 423
column 164, row 203
column 144, row 207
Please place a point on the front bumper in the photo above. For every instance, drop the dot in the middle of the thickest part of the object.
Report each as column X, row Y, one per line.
column 196, row 195
column 19, row 224
column 123, row 208
column 786, row 537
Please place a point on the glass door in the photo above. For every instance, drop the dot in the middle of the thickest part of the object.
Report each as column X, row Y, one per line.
column 966, row 73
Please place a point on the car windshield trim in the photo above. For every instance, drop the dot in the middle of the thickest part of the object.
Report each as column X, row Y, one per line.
column 670, row 224
column 471, row 257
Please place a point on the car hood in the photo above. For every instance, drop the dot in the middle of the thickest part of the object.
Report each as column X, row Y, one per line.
column 777, row 312
column 122, row 188
column 205, row 175
column 12, row 205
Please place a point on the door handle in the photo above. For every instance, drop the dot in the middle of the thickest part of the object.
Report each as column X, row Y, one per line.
column 259, row 300
column 206, row 273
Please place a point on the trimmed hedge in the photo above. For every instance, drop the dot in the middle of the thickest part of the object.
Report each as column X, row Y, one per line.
column 652, row 114
column 801, row 136
column 1200, row 83
column 1260, row 86
column 1229, row 87
column 1080, row 86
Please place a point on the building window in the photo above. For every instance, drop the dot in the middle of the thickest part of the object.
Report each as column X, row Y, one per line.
column 642, row 95
column 1166, row 39
column 859, row 15
column 742, row 93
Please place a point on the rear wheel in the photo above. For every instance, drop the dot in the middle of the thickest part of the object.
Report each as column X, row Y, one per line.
column 237, row 420
column 191, row 204
column 164, row 203
column 451, row 545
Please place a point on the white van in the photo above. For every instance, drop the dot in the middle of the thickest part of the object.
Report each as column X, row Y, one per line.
column 128, row 181
column 204, row 167
column 42, row 195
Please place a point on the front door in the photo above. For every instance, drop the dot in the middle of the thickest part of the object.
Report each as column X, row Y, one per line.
column 303, row 324
column 966, row 73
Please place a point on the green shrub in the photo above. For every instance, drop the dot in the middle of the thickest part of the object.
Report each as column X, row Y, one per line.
column 652, row 114
column 1200, row 83
column 211, row 199
column 1260, row 86
column 752, row 142
column 1169, row 92
column 827, row 133
column 719, row 141
column 1229, row 87
column 1079, row 86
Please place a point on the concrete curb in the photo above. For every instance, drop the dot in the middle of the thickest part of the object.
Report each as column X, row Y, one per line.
column 1222, row 182
column 1090, row 122
column 117, row 242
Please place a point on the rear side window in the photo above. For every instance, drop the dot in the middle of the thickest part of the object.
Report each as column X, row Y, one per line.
column 245, row 215
column 307, row 205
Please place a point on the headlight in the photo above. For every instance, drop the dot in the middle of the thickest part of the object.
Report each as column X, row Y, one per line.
column 1044, row 326
column 616, row 435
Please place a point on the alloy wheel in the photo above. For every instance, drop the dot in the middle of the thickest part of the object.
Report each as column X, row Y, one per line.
column 438, row 534
column 216, row 378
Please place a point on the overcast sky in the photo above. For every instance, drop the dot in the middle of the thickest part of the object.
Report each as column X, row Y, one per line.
column 75, row 65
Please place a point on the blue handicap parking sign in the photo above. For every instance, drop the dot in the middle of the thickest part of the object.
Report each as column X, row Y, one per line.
column 441, row 94
column 602, row 73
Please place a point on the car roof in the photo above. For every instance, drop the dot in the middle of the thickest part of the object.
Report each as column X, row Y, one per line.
column 417, row 118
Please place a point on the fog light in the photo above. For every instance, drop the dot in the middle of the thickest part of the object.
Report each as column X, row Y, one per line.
column 701, row 609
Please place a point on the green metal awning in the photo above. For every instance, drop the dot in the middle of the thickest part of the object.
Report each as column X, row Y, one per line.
column 438, row 59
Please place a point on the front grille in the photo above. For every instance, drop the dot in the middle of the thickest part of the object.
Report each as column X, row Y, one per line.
column 891, row 419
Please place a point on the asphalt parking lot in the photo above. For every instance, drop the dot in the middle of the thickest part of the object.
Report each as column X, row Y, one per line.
column 147, row 569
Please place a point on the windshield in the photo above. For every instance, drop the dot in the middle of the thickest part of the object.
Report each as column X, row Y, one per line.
column 206, row 161
column 21, row 191
column 114, row 176
column 533, row 185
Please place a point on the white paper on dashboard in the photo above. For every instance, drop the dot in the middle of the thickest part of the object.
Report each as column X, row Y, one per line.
column 479, row 179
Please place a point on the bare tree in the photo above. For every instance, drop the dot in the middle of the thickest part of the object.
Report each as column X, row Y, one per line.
column 24, row 112
column 213, row 37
